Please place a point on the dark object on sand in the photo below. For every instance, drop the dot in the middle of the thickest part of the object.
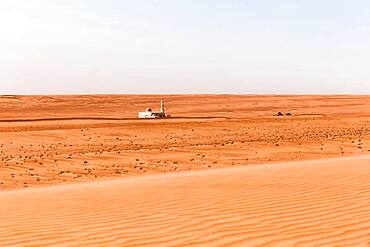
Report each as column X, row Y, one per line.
column 280, row 114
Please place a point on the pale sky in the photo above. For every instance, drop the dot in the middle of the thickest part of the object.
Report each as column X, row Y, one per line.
column 173, row 46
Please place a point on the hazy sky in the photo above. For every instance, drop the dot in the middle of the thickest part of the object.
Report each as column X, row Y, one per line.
column 199, row 46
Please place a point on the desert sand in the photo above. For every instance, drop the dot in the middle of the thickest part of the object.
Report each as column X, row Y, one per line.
column 305, row 203
column 48, row 140
column 225, row 170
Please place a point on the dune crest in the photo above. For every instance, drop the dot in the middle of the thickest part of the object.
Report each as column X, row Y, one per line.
column 311, row 203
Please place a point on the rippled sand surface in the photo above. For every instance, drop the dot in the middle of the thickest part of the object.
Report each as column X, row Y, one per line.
column 305, row 203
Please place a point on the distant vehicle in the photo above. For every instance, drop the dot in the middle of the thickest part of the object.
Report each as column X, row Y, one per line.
column 148, row 113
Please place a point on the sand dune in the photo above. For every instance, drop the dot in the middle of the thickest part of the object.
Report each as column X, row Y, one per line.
column 305, row 203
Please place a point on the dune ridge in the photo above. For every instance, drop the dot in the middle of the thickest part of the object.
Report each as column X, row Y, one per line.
column 315, row 203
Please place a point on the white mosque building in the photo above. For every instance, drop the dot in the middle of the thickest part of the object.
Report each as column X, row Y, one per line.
column 148, row 113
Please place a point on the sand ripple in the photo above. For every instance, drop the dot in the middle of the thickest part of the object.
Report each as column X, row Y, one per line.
column 312, row 203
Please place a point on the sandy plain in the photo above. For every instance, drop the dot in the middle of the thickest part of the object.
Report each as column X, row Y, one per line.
column 71, row 171
column 62, row 139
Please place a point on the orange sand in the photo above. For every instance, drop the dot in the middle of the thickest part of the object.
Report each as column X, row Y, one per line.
column 67, row 139
column 309, row 203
